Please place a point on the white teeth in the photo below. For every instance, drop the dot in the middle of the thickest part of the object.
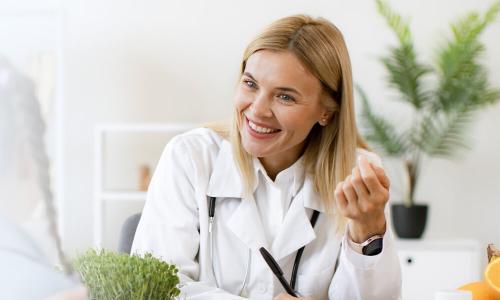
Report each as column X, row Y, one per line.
column 261, row 129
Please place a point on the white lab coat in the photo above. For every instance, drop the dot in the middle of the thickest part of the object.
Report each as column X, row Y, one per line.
column 174, row 227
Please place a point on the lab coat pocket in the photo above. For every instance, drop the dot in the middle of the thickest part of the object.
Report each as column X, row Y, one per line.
column 316, row 284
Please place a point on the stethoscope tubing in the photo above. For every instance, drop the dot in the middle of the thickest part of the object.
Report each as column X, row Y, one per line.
column 211, row 219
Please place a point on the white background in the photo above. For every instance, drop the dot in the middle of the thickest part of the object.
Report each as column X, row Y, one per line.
column 177, row 61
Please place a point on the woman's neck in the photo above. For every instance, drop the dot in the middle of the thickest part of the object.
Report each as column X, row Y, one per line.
column 274, row 165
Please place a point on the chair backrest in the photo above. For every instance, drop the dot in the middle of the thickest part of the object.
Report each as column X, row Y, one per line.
column 127, row 233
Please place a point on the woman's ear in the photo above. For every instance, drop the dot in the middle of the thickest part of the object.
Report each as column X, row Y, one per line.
column 329, row 109
column 325, row 118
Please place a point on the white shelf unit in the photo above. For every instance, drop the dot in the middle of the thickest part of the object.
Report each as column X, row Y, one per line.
column 103, row 196
column 429, row 266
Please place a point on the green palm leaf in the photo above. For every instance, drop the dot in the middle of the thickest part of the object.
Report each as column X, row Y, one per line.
column 404, row 71
column 462, row 79
column 379, row 131
column 395, row 21
column 443, row 135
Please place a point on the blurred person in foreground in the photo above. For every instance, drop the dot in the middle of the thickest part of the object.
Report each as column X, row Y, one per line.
column 29, row 244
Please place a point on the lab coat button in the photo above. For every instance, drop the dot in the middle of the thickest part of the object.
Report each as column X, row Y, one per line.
column 261, row 288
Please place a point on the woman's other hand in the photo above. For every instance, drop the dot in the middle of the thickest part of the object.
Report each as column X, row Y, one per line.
column 361, row 198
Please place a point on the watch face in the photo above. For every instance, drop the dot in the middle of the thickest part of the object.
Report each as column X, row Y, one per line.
column 373, row 248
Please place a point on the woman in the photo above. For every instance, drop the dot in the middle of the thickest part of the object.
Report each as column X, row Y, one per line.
column 290, row 154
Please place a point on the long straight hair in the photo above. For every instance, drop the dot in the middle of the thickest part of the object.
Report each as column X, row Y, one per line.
column 329, row 154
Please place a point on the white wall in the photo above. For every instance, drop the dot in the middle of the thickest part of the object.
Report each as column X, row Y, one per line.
column 163, row 61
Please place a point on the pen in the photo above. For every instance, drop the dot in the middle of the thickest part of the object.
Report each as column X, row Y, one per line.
column 277, row 271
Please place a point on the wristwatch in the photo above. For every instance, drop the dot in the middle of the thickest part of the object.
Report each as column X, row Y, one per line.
column 372, row 246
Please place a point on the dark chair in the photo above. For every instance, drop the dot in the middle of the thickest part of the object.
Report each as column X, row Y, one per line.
column 127, row 233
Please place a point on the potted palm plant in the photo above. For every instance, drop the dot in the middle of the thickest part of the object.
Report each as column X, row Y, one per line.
column 444, row 97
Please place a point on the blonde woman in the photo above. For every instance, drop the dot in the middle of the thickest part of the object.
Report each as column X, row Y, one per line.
column 289, row 175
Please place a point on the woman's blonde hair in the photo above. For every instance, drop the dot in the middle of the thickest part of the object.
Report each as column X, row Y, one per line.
column 329, row 155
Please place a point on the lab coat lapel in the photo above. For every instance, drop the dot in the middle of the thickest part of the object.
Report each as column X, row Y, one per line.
column 297, row 230
column 246, row 224
column 226, row 182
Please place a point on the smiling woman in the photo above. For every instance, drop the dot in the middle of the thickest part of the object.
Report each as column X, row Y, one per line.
column 314, row 60
column 287, row 180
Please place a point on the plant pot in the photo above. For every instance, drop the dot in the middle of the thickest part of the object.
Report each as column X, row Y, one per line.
column 409, row 222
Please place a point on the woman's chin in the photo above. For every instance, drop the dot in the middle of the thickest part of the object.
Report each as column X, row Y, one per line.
column 254, row 150
column 254, row 153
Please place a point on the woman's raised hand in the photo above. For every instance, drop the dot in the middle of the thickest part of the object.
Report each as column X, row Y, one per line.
column 361, row 198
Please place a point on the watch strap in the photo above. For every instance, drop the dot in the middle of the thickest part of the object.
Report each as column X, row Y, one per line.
column 372, row 246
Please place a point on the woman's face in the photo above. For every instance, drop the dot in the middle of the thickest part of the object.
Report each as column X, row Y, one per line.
column 278, row 101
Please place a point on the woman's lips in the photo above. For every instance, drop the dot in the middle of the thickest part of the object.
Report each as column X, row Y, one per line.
column 259, row 131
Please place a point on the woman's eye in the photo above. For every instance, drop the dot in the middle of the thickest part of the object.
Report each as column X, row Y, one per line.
column 285, row 98
column 250, row 83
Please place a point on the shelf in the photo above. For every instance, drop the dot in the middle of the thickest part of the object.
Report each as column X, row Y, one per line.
column 130, row 197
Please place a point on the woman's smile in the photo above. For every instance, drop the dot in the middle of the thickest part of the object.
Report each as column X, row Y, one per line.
column 260, row 131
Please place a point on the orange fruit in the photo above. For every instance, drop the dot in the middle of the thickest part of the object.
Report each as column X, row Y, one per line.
column 480, row 290
column 492, row 277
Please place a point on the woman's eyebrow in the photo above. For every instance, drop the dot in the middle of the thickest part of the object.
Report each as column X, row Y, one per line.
column 288, row 89
column 283, row 89
column 250, row 75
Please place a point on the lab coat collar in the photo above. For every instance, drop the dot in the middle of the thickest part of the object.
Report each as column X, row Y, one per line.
column 293, row 176
column 296, row 230
column 301, row 184
column 311, row 198
column 225, row 181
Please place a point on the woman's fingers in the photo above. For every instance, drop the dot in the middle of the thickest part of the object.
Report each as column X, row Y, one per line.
column 362, row 198
column 358, row 184
column 369, row 176
column 343, row 204
column 382, row 177
column 351, row 197
column 339, row 195
column 364, row 192
column 379, row 172
column 349, row 191
column 347, row 199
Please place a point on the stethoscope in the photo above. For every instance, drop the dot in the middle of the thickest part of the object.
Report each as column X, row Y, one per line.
column 296, row 263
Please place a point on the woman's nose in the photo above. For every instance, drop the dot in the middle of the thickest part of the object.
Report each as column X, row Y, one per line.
column 261, row 106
